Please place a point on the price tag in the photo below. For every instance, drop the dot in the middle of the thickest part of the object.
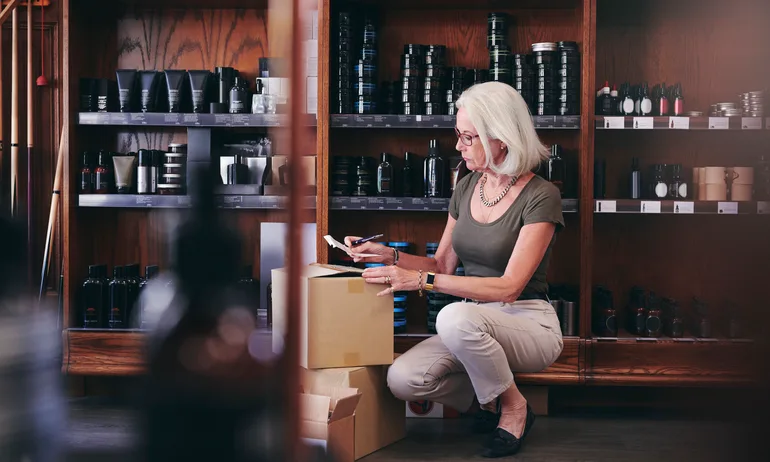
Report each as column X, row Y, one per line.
column 615, row 122
column 650, row 207
column 751, row 123
column 606, row 207
column 719, row 123
column 684, row 207
column 643, row 123
column 727, row 208
column 763, row 208
column 679, row 123
column 418, row 118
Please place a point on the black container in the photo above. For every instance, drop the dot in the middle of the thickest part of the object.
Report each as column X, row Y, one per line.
column 364, row 178
column 117, row 317
column 413, row 72
column 497, row 29
column 435, row 175
column 364, row 105
column 364, row 70
column 414, row 49
column 94, row 308
column 434, row 71
column 412, row 108
column 411, row 61
column 411, row 83
column 436, row 97
column 342, row 172
column 477, row 76
column 361, row 87
column 432, row 83
column 435, row 108
column 409, row 96
column 500, row 56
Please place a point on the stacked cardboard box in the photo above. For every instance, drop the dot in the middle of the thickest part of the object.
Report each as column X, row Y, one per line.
column 346, row 344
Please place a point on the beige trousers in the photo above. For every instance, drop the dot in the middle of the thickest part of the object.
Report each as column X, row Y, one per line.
column 476, row 351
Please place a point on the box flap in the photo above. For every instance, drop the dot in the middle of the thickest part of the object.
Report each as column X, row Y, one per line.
column 317, row 270
column 339, row 269
column 315, row 408
column 345, row 406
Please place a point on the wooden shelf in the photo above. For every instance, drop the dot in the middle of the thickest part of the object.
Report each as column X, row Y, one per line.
column 437, row 121
column 229, row 201
column 103, row 352
column 156, row 119
column 684, row 207
column 680, row 123
column 409, row 204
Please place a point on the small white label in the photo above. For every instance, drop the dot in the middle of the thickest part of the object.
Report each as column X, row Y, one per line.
column 418, row 118
column 679, row 123
column 684, row 207
column 751, row 123
column 614, row 122
column 645, row 123
column 727, row 208
column 719, row 123
column 650, row 207
column 763, row 208
column 606, row 206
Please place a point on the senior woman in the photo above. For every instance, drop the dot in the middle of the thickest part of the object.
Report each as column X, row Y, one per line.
column 502, row 225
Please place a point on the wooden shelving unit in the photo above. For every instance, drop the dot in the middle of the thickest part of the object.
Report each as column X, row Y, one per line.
column 607, row 242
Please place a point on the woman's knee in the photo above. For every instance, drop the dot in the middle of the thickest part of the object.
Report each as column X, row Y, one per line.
column 452, row 320
column 401, row 379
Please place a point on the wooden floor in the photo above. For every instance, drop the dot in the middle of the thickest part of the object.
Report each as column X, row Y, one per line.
column 98, row 430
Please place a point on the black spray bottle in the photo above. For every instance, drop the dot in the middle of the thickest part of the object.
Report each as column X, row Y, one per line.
column 93, row 299
column 434, row 172
column 385, row 176
column 117, row 318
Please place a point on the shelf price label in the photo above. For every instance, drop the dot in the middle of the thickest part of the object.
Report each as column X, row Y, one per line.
column 751, row 123
column 643, row 123
column 679, row 123
column 615, row 123
column 684, row 207
column 650, row 207
column 719, row 123
column 606, row 207
column 763, row 208
column 727, row 208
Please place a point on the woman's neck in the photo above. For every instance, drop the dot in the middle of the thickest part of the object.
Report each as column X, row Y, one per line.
column 496, row 180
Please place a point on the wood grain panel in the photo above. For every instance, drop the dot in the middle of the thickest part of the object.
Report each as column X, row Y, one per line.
column 103, row 353
column 669, row 363
column 711, row 47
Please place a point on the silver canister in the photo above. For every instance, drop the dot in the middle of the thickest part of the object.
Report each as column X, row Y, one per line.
column 569, row 318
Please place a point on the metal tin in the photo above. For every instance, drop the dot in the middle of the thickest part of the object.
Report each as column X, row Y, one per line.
column 432, row 83
column 412, row 108
column 364, row 89
column 414, row 49
column 693, row 114
column 411, row 83
column 177, row 148
column 172, row 178
column 432, row 71
column 174, row 169
column 409, row 61
column 545, row 46
column 413, row 72
column 171, row 189
column 174, row 157
column 365, row 70
column 435, row 108
column 433, row 97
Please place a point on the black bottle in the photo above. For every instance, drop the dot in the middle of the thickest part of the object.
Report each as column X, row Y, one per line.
column 635, row 180
column 363, row 178
column 150, row 272
column 103, row 275
column 557, row 169
column 117, row 318
column 654, row 322
column 675, row 321
column 605, row 318
column 238, row 97
column 645, row 103
column 86, row 175
column 133, row 279
column 407, row 176
column 385, row 176
column 283, row 173
column 102, row 174
column 93, row 299
column 659, row 186
column 637, row 311
column 734, row 325
column 701, row 324
column 434, row 175
column 677, row 188
column 237, row 172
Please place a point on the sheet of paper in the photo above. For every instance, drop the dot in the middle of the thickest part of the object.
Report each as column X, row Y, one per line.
column 339, row 245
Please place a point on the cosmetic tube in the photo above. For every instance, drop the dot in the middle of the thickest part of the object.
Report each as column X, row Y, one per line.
column 174, row 81
column 124, row 173
column 148, row 81
column 126, row 84
column 198, row 85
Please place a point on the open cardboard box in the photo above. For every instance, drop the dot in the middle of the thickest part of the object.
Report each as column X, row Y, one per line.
column 328, row 419
column 343, row 323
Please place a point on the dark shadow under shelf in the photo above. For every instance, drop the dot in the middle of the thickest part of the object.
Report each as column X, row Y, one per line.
column 410, row 204
column 436, row 121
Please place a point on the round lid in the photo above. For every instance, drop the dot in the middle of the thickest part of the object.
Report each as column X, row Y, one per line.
column 544, row 46
column 177, row 145
column 568, row 45
column 175, row 154
column 172, row 175
column 170, row 186
column 174, row 165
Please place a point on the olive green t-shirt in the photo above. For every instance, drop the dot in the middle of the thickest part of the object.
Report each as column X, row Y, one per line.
column 485, row 248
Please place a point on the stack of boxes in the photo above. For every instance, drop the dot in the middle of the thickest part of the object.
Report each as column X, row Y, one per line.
column 345, row 346
column 310, row 42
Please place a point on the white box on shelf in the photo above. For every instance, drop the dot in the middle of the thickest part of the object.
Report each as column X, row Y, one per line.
column 311, row 92
column 311, row 58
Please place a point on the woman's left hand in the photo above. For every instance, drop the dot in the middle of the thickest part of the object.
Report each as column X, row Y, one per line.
column 399, row 279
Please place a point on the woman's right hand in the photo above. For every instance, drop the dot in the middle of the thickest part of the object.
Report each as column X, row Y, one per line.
column 385, row 255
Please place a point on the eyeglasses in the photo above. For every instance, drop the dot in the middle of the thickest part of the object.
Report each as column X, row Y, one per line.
column 465, row 138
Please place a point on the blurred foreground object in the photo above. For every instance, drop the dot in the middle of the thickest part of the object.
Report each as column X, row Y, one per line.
column 209, row 397
column 32, row 420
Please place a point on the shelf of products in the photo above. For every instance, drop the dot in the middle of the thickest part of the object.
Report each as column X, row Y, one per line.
column 678, row 123
column 415, row 204
column 155, row 119
column 436, row 121
column 104, row 352
column 681, row 207
column 229, row 201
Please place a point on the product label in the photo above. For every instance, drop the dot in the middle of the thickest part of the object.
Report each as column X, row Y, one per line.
column 173, row 100
column 684, row 207
column 643, row 123
column 727, row 208
column 101, row 182
column 683, row 190
column 646, row 106
column 145, row 100
column 101, row 103
column 679, row 123
column 650, row 207
column 751, row 123
column 719, row 123
column 85, row 182
column 143, row 180
column 123, row 98
column 661, row 190
column 385, row 185
column 606, row 207
column 197, row 99
column 236, row 106
column 614, row 123
column 627, row 106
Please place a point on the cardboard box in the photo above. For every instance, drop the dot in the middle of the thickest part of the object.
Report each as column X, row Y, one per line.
column 327, row 418
column 342, row 321
column 379, row 419
column 311, row 95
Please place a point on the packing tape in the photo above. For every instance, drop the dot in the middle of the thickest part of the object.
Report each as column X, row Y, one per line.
column 351, row 358
column 356, row 285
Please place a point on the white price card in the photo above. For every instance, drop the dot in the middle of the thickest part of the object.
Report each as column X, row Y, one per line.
column 684, row 207
column 650, row 207
column 615, row 122
column 679, row 123
column 606, row 207
column 719, row 123
column 763, row 208
column 751, row 123
column 643, row 123
column 418, row 118
column 727, row 208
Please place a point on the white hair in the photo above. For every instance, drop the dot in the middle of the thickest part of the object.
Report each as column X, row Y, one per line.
column 498, row 112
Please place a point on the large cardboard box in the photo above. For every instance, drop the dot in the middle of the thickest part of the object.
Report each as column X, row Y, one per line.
column 328, row 418
column 342, row 321
column 379, row 419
